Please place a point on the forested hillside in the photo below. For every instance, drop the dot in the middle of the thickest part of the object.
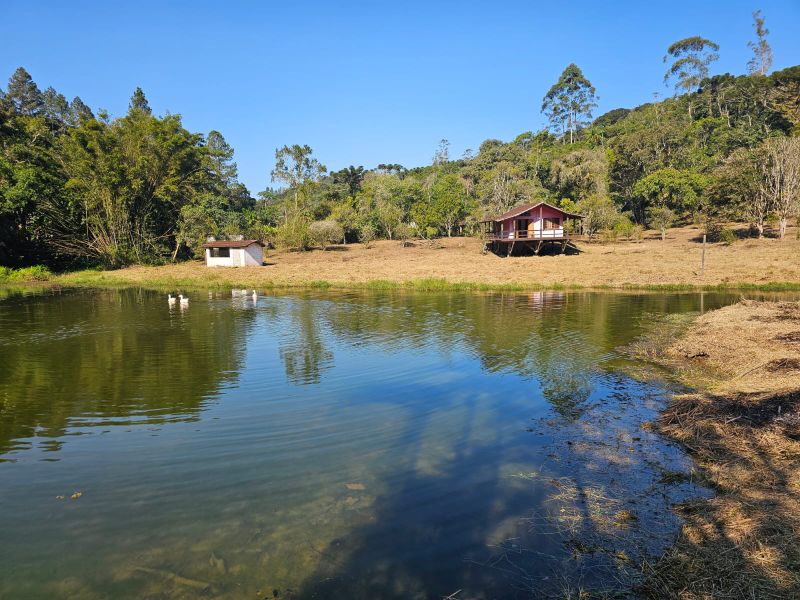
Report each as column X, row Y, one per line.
column 80, row 188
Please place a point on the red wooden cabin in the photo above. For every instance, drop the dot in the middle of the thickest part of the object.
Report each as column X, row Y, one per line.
column 532, row 225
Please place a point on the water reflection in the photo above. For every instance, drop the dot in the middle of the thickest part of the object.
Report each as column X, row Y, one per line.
column 327, row 445
column 303, row 351
column 109, row 358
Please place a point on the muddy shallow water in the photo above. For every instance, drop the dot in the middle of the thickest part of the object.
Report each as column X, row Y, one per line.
column 353, row 445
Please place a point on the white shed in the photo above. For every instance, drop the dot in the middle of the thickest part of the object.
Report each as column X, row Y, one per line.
column 234, row 253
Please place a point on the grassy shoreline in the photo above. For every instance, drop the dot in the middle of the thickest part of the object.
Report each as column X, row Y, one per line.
column 115, row 279
column 741, row 426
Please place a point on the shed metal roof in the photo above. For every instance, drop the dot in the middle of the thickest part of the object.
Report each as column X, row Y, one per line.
column 231, row 244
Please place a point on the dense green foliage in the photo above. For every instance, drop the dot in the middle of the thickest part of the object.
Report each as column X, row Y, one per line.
column 692, row 158
column 80, row 188
column 76, row 188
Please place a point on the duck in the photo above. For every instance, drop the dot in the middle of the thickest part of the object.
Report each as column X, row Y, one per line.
column 255, row 295
column 184, row 301
column 171, row 299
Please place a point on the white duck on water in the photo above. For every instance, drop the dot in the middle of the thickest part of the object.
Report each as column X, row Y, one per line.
column 184, row 301
column 255, row 295
column 171, row 299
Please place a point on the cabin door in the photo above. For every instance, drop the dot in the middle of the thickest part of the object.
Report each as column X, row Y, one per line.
column 519, row 225
column 531, row 229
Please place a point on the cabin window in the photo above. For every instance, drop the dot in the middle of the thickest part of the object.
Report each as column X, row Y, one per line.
column 552, row 223
column 220, row 252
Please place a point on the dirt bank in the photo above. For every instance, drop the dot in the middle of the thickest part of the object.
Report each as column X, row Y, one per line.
column 743, row 430
column 455, row 261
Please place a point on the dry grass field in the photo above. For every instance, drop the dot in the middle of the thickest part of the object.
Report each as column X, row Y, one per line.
column 649, row 263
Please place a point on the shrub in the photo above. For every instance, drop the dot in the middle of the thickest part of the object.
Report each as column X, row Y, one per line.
column 404, row 232
column 367, row 235
column 637, row 233
column 323, row 233
column 608, row 235
column 727, row 236
column 35, row 273
column 713, row 231
column 293, row 234
column 624, row 227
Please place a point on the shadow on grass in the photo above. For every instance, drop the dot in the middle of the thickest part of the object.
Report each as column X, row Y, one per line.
column 742, row 543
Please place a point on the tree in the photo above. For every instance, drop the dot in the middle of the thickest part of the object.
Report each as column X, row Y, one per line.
column 55, row 106
column 79, row 112
column 220, row 159
column 736, row 188
column 139, row 102
column 23, row 94
column 780, row 183
column 390, row 168
column 390, row 215
column 346, row 216
column 675, row 189
column 581, row 173
column 448, row 201
column 662, row 218
column 442, row 154
column 196, row 222
column 761, row 62
column 129, row 178
column 351, row 177
column 570, row 101
column 295, row 167
column 599, row 213
column 692, row 57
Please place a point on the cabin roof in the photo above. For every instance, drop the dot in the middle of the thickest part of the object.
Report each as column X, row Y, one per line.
column 518, row 210
column 231, row 244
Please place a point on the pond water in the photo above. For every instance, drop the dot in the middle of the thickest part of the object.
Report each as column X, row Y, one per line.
column 357, row 445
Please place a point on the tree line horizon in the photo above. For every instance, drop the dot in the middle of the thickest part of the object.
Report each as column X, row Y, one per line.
column 81, row 189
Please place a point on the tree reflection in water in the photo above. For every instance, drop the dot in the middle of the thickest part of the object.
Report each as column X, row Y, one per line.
column 108, row 358
column 338, row 445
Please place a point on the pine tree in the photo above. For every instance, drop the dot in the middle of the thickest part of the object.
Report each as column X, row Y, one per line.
column 23, row 93
column 79, row 111
column 55, row 106
column 139, row 102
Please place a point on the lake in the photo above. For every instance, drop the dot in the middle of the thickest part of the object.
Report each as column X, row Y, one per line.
column 330, row 445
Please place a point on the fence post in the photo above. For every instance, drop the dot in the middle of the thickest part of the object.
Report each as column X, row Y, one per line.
column 703, row 256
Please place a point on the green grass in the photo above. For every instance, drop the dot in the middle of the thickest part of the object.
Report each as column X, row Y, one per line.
column 94, row 278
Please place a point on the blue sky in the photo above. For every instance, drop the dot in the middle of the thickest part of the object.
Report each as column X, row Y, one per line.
column 366, row 82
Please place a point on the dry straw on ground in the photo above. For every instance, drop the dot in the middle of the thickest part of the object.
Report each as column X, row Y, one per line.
column 744, row 434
